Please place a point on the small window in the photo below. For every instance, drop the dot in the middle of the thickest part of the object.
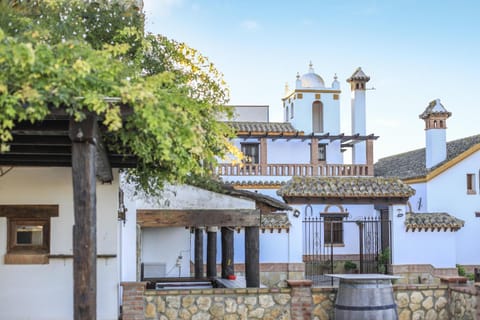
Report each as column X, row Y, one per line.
column 28, row 232
column 286, row 114
column 251, row 152
column 292, row 112
column 333, row 230
column 471, row 183
column 322, row 152
column 28, row 235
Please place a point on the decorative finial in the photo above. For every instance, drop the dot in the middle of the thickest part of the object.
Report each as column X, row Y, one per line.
column 335, row 76
column 298, row 75
column 287, row 89
column 310, row 67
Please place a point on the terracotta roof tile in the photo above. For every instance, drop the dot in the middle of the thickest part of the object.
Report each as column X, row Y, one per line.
column 411, row 164
column 434, row 221
column 434, row 108
column 253, row 183
column 275, row 221
column 355, row 187
column 262, row 126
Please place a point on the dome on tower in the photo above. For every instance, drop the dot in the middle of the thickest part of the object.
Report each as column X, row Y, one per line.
column 311, row 79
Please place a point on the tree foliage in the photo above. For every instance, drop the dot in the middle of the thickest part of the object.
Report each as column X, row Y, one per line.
column 75, row 54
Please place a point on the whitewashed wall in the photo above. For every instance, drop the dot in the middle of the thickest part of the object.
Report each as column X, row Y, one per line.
column 46, row 291
column 302, row 119
column 448, row 193
column 435, row 248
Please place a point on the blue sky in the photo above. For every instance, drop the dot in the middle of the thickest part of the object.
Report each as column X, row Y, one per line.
column 414, row 52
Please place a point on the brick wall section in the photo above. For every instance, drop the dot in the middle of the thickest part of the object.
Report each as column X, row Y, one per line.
column 301, row 305
column 133, row 304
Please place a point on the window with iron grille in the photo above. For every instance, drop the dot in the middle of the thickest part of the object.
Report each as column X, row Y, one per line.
column 333, row 230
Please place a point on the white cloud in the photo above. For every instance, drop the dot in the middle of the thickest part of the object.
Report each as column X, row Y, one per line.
column 250, row 25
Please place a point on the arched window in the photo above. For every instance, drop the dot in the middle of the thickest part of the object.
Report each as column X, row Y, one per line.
column 317, row 116
column 434, row 123
column 292, row 112
column 441, row 123
column 286, row 114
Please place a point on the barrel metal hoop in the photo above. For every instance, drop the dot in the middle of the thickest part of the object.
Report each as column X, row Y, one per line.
column 366, row 308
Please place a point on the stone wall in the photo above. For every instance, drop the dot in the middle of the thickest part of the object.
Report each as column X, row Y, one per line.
column 228, row 304
column 323, row 303
column 299, row 301
column 463, row 303
column 422, row 302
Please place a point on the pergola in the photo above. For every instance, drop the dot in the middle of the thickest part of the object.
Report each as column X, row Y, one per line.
column 59, row 141
column 228, row 221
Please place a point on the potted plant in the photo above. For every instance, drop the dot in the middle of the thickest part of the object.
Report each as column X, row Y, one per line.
column 350, row 267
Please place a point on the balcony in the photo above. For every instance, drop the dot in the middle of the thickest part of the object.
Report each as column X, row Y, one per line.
column 304, row 170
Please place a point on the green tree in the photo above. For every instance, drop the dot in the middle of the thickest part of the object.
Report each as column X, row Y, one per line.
column 78, row 55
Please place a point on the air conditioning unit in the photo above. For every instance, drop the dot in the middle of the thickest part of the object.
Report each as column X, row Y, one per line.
column 152, row 270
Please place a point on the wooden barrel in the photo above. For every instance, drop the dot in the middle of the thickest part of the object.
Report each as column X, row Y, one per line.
column 365, row 300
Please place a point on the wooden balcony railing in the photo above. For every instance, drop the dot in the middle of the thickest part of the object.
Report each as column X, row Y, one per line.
column 304, row 170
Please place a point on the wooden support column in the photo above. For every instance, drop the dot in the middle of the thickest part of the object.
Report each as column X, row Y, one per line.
column 198, row 253
column 212, row 252
column 369, row 156
column 314, row 151
column 83, row 139
column 227, row 252
column 263, row 155
column 252, row 263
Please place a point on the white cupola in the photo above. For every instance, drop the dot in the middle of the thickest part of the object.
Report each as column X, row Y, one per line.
column 311, row 79
column 435, row 117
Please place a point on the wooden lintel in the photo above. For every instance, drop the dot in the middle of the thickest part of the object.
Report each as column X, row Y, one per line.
column 198, row 218
column 29, row 211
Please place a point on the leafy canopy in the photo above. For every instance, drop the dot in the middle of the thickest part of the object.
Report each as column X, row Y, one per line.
column 75, row 54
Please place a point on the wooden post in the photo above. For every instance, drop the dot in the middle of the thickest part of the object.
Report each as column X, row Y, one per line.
column 263, row 156
column 369, row 156
column 198, row 253
column 227, row 252
column 252, row 265
column 212, row 252
column 83, row 135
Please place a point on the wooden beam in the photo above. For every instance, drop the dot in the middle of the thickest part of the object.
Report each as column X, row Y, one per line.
column 198, row 218
column 103, row 167
column 252, row 265
column 29, row 211
column 211, row 253
column 227, row 252
column 198, row 253
column 85, row 228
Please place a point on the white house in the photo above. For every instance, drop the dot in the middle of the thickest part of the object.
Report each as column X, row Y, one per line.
column 309, row 146
column 36, row 265
column 442, row 222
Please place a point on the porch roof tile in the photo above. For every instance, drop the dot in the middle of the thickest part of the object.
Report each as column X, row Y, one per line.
column 243, row 126
column 345, row 187
column 433, row 221
column 274, row 221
